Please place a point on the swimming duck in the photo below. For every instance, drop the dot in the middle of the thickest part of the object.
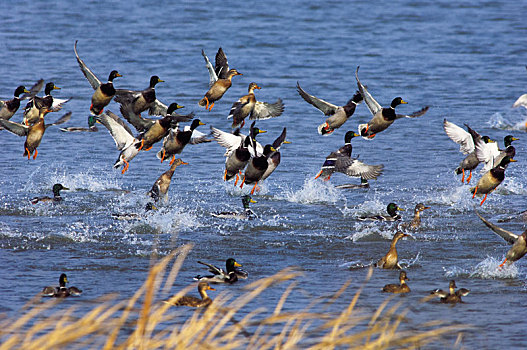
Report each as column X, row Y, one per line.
column 453, row 296
column 257, row 166
column 519, row 242
column 390, row 260
column 134, row 216
column 103, row 93
column 382, row 117
column 491, row 179
column 136, row 102
column 238, row 151
column 248, row 105
column 402, row 287
column 154, row 130
column 220, row 79
column 416, row 221
column 189, row 300
column 342, row 162
column 274, row 159
column 160, row 188
column 247, row 213
column 490, row 154
column 230, row 275
column 31, row 111
column 8, row 108
column 176, row 140
column 123, row 137
column 392, row 209
column 467, row 141
column 56, row 195
column 61, row 291
column 338, row 115
column 91, row 126
column 34, row 132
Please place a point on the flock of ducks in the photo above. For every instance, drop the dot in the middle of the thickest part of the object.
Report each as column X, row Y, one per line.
column 246, row 160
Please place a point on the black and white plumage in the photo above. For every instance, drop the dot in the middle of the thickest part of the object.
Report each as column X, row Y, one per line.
column 176, row 140
column 382, row 117
column 341, row 161
column 61, row 291
column 123, row 137
column 491, row 155
column 337, row 115
column 136, row 102
column 231, row 273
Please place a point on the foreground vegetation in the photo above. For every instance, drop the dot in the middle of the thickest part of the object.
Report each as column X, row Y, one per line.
column 145, row 322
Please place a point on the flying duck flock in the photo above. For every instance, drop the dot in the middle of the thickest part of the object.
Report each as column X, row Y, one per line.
column 248, row 162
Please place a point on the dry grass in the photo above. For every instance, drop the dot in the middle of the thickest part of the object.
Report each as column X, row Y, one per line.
column 143, row 322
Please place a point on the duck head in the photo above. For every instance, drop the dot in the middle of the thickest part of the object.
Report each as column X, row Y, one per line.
column 397, row 101
column 113, row 74
column 154, row 79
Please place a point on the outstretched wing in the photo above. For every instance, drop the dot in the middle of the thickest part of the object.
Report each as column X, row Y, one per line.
column 354, row 167
column 212, row 74
column 15, row 128
column 416, row 114
column 58, row 104
column 198, row 137
column 264, row 110
column 214, row 269
column 487, row 153
column 158, row 108
column 373, row 105
column 121, row 133
column 62, row 120
column 92, row 78
column 280, row 140
column 222, row 66
column 325, row 107
column 140, row 124
column 506, row 235
column 35, row 89
column 459, row 136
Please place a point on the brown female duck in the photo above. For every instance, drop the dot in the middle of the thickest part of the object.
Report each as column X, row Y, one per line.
column 31, row 111
column 416, row 221
column 337, row 115
column 402, row 287
column 220, row 79
column 275, row 157
column 248, row 105
column 192, row 301
column 33, row 133
column 453, row 296
column 390, row 260
column 160, row 188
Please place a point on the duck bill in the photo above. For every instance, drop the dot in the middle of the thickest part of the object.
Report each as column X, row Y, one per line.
column 400, row 209
column 403, row 102
column 285, row 141
column 201, row 123
column 237, row 264
column 184, row 163
column 252, row 201
column 210, row 288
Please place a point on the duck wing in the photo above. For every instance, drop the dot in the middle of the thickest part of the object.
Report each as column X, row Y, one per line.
column 35, row 89
column 90, row 76
column 506, row 235
column 457, row 134
column 121, row 133
column 198, row 137
column 325, row 107
column 62, row 120
column 158, row 108
column 416, row 114
column 373, row 105
column 487, row 153
column 212, row 73
column 356, row 168
column 439, row 293
column 222, row 66
column 214, row 269
column 521, row 101
column 264, row 110
column 227, row 140
column 279, row 140
column 139, row 123
column 15, row 128
column 58, row 104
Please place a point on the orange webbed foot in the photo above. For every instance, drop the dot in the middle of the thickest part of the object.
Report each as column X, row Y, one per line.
column 173, row 159
column 35, row 154
column 163, row 156
column 484, row 198
column 142, row 144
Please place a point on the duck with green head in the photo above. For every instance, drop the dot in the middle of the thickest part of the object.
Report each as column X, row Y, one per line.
column 230, row 275
column 382, row 117
column 91, row 126
column 8, row 108
column 491, row 179
column 136, row 102
column 491, row 155
column 56, row 195
column 61, row 291
column 246, row 214
column 391, row 208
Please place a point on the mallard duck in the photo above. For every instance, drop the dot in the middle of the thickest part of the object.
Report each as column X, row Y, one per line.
column 160, row 188
column 402, row 287
column 342, row 162
column 363, row 184
column 91, row 126
column 238, row 151
column 247, row 213
column 56, row 195
column 103, row 92
column 416, row 221
column 34, row 132
column 136, row 102
column 392, row 209
column 134, row 216
column 61, row 291
column 274, row 159
column 230, row 275
column 382, row 117
column 220, row 79
column 189, row 300
column 452, row 296
column 8, row 108
column 467, row 141
column 338, row 115
column 154, row 130
column 521, row 101
column 176, row 140
column 257, row 165
column 123, row 137
column 390, row 260
column 491, row 179
column 519, row 242
column 248, row 105
column 490, row 154
column 31, row 111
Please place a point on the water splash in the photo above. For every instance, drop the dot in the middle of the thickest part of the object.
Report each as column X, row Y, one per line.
column 314, row 191
column 487, row 269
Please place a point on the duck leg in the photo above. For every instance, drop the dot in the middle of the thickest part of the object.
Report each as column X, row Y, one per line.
column 35, row 154
column 149, row 148
column 126, row 165
column 484, row 198
column 463, row 177
column 28, row 153
column 225, row 175
column 503, row 263
column 163, row 156
column 469, row 177
column 142, row 144
column 243, row 181
column 173, row 159
column 475, row 191
column 207, row 99
column 255, row 187
column 212, row 105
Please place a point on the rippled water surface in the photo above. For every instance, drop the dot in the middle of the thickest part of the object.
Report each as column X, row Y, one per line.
column 465, row 59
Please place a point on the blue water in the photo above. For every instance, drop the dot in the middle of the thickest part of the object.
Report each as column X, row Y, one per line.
column 465, row 59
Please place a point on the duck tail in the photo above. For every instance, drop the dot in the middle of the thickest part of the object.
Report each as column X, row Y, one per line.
column 363, row 131
column 202, row 102
column 324, row 129
column 34, row 200
column 472, row 190
column 458, row 171
column 159, row 154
